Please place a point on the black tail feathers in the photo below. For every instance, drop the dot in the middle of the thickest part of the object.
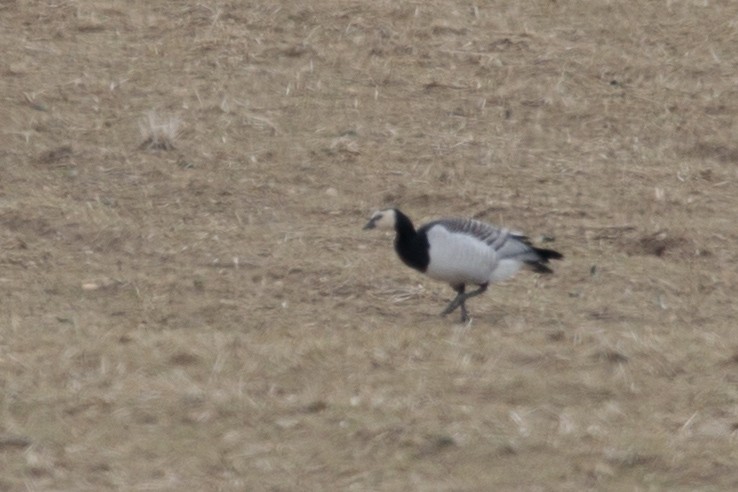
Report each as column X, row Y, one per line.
column 539, row 265
column 548, row 254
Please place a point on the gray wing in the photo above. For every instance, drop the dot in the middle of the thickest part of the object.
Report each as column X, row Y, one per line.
column 506, row 243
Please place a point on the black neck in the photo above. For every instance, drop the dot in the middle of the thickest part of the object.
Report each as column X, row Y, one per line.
column 411, row 246
column 403, row 225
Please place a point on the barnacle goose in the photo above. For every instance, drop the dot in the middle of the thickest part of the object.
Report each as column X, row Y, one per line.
column 461, row 252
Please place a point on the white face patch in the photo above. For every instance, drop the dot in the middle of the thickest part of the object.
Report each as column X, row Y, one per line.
column 382, row 219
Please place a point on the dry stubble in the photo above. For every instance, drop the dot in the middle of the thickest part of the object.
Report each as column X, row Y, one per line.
column 206, row 313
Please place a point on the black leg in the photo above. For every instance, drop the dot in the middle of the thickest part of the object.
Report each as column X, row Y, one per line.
column 459, row 300
column 464, row 314
column 455, row 302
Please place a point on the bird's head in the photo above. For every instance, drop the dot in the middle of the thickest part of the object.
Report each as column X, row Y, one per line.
column 382, row 219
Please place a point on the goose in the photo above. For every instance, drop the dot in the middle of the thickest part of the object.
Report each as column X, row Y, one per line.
column 462, row 252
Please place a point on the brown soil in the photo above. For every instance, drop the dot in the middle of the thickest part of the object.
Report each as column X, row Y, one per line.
column 188, row 302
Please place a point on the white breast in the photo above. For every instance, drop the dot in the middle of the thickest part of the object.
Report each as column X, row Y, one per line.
column 459, row 258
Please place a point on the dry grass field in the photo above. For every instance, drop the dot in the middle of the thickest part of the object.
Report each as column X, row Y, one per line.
column 188, row 302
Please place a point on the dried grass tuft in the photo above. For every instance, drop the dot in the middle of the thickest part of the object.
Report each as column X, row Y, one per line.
column 159, row 132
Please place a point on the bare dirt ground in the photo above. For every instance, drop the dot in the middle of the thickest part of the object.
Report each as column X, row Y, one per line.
column 188, row 302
